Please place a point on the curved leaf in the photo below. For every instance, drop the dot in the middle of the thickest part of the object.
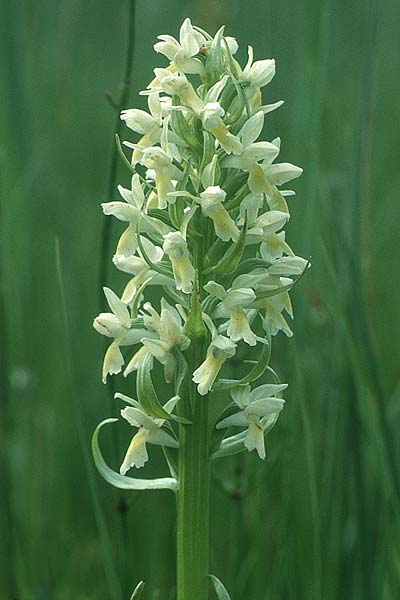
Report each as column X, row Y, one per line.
column 160, row 215
column 230, row 260
column 146, row 394
column 138, row 591
column 122, row 154
column 176, row 209
column 220, row 589
column 180, row 373
column 279, row 290
column 154, row 266
column 214, row 61
column 255, row 373
column 122, row 481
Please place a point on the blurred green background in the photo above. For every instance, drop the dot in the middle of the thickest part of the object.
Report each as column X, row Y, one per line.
column 318, row 520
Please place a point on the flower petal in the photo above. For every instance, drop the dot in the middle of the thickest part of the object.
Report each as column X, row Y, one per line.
column 118, row 307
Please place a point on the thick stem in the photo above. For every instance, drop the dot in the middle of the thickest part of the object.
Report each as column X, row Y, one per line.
column 194, row 471
column 193, row 505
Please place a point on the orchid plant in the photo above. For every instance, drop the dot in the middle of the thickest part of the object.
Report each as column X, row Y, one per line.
column 204, row 217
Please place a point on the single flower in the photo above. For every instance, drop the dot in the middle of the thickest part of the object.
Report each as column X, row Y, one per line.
column 211, row 116
column 254, row 406
column 169, row 332
column 137, row 266
column 182, row 54
column 232, row 306
column 174, row 84
column 211, row 201
column 220, row 349
column 117, row 325
column 165, row 172
column 149, row 432
column 176, row 248
column 149, row 125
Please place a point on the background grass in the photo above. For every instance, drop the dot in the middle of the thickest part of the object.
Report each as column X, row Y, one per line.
column 318, row 520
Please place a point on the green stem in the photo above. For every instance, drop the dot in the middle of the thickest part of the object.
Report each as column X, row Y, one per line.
column 194, row 472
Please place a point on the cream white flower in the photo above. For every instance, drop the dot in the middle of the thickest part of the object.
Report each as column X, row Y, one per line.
column 260, row 72
column 211, row 205
column 266, row 224
column 212, row 121
column 254, row 406
column 274, row 247
column 130, row 210
column 138, row 267
column 168, row 327
column 281, row 173
column 288, row 266
column 253, row 153
column 117, row 325
column 220, row 349
column 274, row 321
column 174, row 84
column 149, row 432
column 148, row 125
column 182, row 53
column 176, row 248
column 232, row 307
column 155, row 158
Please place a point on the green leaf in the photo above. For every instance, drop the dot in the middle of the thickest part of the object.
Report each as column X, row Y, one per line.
column 220, row 589
column 234, row 116
column 252, row 375
column 229, row 262
column 209, row 304
column 160, row 215
column 216, row 251
column 175, row 296
column 136, row 299
column 171, row 458
column 138, row 591
column 122, row 481
column 218, row 434
column 187, row 218
column 208, row 150
column 279, row 290
column 163, row 270
column 227, row 95
column 214, row 63
column 234, row 183
column 146, row 394
column 182, row 128
column 238, row 196
column 176, row 209
column 251, row 264
column 180, row 373
column 122, row 154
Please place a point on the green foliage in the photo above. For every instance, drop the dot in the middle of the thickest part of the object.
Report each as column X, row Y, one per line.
column 319, row 520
